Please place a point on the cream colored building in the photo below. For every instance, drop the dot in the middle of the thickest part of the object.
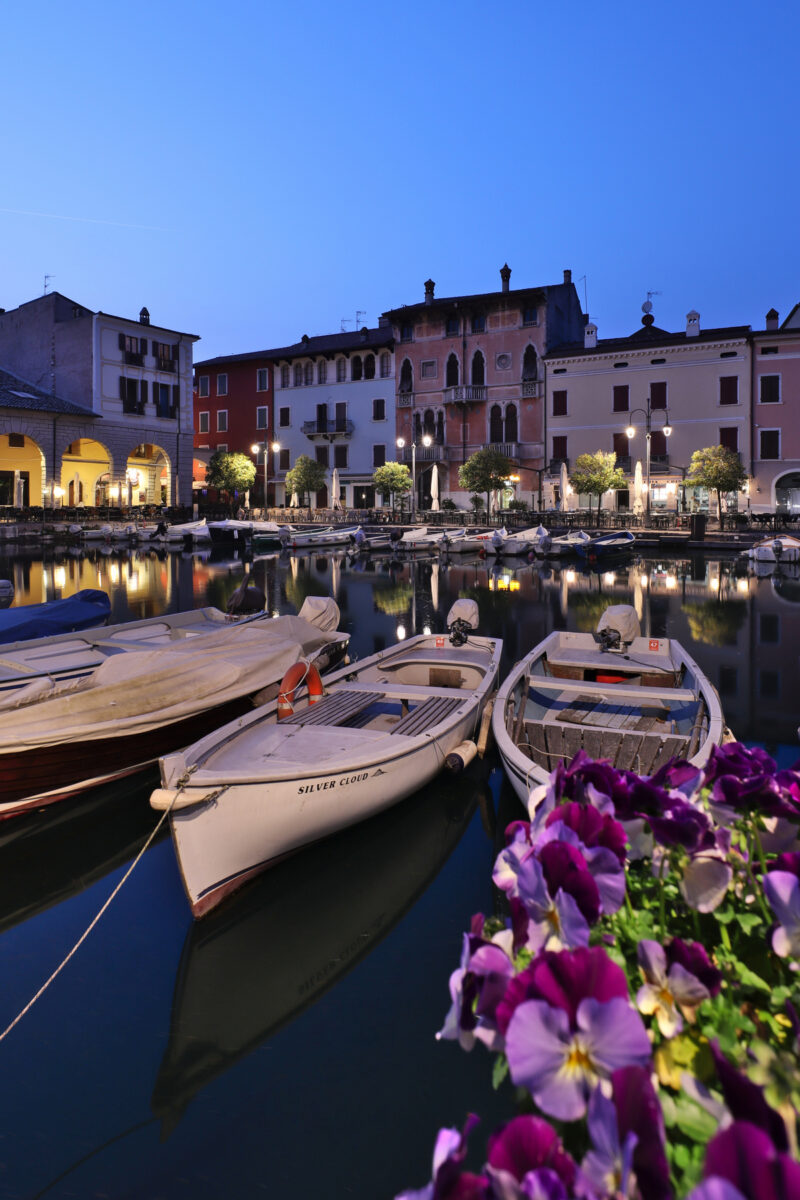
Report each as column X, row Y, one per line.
column 697, row 383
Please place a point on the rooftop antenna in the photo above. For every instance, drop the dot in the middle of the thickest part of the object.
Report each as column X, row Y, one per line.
column 585, row 296
column 359, row 315
column 344, row 323
column 647, row 307
column 47, row 279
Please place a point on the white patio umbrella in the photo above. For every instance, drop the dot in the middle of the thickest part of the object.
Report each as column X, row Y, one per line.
column 335, row 489
column 494, row 504
column 638, row 501
column 336, row 575
column 294, row 502
column 435, row 489
column 435, row 586
column 563, row 485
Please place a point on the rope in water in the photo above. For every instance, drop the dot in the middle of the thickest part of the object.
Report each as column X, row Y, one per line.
column 91, row 925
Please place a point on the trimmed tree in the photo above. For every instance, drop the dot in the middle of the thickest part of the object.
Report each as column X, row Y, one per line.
column 485, row 471
column 306, row 476
column 596, row 474
column 230, row 473
column 392, row 479
column 718, row 469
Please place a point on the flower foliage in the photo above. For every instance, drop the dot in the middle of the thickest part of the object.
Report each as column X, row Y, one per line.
column 639, row 987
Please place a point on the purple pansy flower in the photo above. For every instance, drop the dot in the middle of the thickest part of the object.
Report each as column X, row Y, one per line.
column 563, row 980
column 744, row 1156
column 745, row 1100
column 476, row 987
column 526, row 1159
column 559, row 897
column 694, row 958
column 608, row 1164
column 681, row 824
column 602, row 864
column 736, row 759
column 782, row 890
column 560, row 1046
column 593, row 828
column 667, row 988
column 639, row 1112
column 449, row 1182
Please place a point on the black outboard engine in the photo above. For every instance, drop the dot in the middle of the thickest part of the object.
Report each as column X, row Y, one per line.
column 461, row 620
column 546, row 544
column 777, row 547
column 609, row 639
column 395, row 535
column 161, row 529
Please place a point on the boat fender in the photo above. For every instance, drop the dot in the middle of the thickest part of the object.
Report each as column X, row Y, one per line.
column 461, row 757
column 301, row 672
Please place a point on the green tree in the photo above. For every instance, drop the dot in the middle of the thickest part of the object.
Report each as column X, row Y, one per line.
column 485, row 471
column 718, row 469
column 230, row 473
column 305, row 476
column 596, row 474
column 392, row 479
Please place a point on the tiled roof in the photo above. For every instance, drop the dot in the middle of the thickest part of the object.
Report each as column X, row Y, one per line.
column 328, row 343
column 651, row 337
column 479, row 300
column 17, row 393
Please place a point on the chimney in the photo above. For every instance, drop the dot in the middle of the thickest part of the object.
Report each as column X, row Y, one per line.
column 505, row 275
column 144, row 316
column 692, row 323
column 590, row 336
column 772, row 319
column 567, row 276
column 429, row 286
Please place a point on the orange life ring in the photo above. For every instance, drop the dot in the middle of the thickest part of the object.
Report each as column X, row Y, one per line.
column 301, row 672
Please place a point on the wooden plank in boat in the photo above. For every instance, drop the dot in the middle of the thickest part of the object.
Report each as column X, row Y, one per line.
column 593, row 742
column 627, row 751
column 578, row 709
column 554, row 735
column 426, row 715
column 646, row 755
column 671, row 747
column 536, row 741
column 572, row 742
column 642, row 695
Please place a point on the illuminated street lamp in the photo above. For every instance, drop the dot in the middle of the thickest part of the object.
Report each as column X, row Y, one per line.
column 256, row 449
column 631, row 432
column 427, row 440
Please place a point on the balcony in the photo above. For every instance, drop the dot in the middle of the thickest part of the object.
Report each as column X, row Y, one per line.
column 659, row 464
column 134, row 360
column 510, row 449
column 555, row 465
column 405, row 400
column 532, row 389
column 332, row 431
column 166, row 364
column 424, row 454
column 466, row 393
column 624, row 463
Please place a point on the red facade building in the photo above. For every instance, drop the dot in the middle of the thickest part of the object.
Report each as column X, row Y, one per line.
column 233, row 412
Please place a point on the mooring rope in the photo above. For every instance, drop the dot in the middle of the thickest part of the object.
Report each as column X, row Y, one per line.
column 92, row 924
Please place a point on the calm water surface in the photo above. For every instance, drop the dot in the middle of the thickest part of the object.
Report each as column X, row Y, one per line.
column 285, row 1045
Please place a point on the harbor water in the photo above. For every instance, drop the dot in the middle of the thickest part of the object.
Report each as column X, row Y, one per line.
column 285, row 1045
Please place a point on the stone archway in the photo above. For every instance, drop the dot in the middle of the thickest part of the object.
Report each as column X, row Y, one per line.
column 148, row 475
column 787, row 492
column 22, row 467
column 84, row 465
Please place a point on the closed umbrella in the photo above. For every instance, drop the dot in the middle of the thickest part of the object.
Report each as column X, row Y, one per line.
column 19, row 490
column 294, row 502
column 435, row 586
column 335, row 489
column 638, row 502
column 564, row 484
column 336, row 575
column 435, row 489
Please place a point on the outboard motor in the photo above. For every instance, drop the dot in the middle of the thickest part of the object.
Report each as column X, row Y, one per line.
column 497, row 539
column 395, row 535
column 546, row 544
column 461, row 620
column 618, row 627
column 161, row 529
column 777, row 547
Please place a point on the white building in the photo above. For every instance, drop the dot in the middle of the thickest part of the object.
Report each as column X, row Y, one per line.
column 334, row 401
column 133, row 382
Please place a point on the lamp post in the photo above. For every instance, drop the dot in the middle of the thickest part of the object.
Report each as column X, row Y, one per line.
column 631, row 432
column 426, row 441
column 256, row 449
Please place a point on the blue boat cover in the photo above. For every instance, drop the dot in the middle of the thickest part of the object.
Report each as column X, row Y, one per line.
column 81, row 611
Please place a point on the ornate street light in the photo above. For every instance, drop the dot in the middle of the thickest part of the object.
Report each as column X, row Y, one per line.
column 427, row 440
column 631, row 432
column 256, row 449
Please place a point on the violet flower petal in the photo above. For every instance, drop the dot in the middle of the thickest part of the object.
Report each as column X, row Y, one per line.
column 782, row 891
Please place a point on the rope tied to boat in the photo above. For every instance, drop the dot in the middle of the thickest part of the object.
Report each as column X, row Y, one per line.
column 93, row 922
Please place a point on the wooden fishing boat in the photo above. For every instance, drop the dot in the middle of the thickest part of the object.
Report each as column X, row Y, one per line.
column 461, row 541
column 312, row 539
column 84, row 609
column 562, row 546
column 262, row 787
column 520, row 544
column 233, row 533
column 606, row 545
column 783, row 548
column 637, row 702
column 61, row 737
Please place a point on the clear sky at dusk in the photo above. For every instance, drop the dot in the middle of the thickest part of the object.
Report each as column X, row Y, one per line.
column 252, row 171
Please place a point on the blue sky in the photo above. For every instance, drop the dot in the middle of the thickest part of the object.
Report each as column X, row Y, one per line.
column 251, row 172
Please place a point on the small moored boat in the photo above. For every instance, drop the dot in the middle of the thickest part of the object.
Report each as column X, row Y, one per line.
column 312, row 539
column 560, row 547
column 276, row 780
column 605, row 545
column 782, row 548
column 637, row 702
column 80, row 611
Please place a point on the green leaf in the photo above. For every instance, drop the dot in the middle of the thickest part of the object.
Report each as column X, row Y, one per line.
column 694, row 1121
column 499, row 1070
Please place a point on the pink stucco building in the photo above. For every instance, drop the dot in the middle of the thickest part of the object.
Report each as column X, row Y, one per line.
column 469, row 375
column 776, row 414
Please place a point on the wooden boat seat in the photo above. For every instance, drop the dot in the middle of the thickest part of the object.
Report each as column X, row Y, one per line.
column 639, row 750
column 426, row 715
column 334, row 709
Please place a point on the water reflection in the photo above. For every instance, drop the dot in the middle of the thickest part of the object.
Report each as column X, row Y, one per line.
column 258, row 961
column 740, row 620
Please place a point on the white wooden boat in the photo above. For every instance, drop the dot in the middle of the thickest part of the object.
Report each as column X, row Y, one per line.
column 516, row 545
column 421, row 539
column 261, row 788
column 195, row 531
column 607, row 545
column 60, row 737
column 778, row 549
column 312, row 539
column 560, row 547
column 462, row 542
column 370, row 543
column 635, row 701
column 235, row 533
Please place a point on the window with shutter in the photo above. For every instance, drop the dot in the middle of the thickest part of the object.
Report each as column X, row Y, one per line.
column 378, row 456
column 770, row 389
column 560, row 404
column 658, row 395
column 621, row 400
column 729, row 389
column 729, row 437
column 560, row 448
column 770, row 443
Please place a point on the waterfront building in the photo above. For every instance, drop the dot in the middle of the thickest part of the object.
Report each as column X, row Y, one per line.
column 776, row 414
column 696, row 383
column 469, row 376
column 99, row 410
column 334, row 400
column 233, row 412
